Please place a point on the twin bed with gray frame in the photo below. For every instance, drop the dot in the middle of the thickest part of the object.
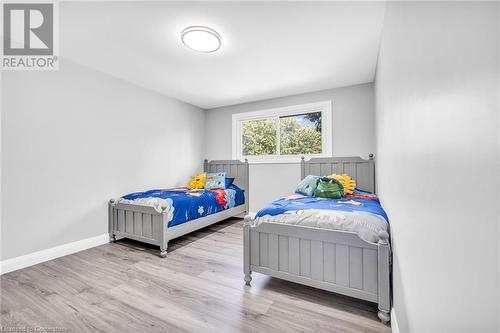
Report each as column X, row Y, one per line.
column 146, row 224
column 332, row 260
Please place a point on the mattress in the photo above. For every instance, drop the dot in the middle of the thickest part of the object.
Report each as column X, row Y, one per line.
column 183, row 205
column 359, row 212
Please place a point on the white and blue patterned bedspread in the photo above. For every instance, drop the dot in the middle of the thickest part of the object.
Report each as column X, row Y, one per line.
column 183, row 205
column 360, row 212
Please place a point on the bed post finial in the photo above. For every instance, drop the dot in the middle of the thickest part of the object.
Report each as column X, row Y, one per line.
column 246, row 160
column 111, row 201
column 302, row 167
column 370, row 156
column 247, row 220
column 384, row 237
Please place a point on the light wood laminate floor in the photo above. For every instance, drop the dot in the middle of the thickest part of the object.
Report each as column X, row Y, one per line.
column 127, row 287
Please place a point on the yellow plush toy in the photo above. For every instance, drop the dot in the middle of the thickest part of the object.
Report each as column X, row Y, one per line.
column 197, row 181
column 347, row 182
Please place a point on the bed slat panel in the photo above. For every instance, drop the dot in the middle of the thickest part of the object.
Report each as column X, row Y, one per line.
column 337, row 168
column 317, row 260
column 326, row 169
column 233, row 171
column 363, row 176
column 305, row 257
column 315, row 169
column 157, row 221
column 370, row 276
column 138, row 223
column 294, row 256
column 264, row 249
column 329, row 262
column 342, row 265
column 129, row 221
column 273, row 251
column 147, row 225
column 355, row 267
column 254, row 246
column 366, row 177
column 121, row 220
column 283, row 253
column 241, row 173
column 115, row 219
column 350, row 169
column 237, row 176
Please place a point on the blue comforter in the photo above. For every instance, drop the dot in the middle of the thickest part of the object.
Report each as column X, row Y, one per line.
column 184, row 205
column 360, row 201
column 359, row 213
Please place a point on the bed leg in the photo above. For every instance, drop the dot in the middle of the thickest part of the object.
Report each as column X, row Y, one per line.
column 112, row 238
column 384, row 276
column 248, row 278
column 384, row 316
column 164, row 230
column 163, row 250
column 246, row 250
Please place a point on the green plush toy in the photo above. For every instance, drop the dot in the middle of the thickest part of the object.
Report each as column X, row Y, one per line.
column 329, row 188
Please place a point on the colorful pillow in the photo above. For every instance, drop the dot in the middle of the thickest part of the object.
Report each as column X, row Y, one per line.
column 307, row 186
column 329, row 188
column 216, row 181
column 197, row 181
column 229, row 181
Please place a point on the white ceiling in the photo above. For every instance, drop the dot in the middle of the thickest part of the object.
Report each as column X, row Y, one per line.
column 269, row 49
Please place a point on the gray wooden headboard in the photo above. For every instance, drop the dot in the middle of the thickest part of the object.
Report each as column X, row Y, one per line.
column 363, row 171
column 233, row 168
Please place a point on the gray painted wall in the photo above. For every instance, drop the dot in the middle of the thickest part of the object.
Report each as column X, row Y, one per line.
column 73, row 138
column 438, row 162
column 353, row 135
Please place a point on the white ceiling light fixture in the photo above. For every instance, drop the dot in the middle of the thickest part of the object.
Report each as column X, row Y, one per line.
column 202, row 39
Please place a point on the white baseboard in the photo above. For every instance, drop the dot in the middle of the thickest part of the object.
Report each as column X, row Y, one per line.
column 394, row 322
column 34, row 258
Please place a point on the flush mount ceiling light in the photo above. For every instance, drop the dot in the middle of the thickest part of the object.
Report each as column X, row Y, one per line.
column 202, row 39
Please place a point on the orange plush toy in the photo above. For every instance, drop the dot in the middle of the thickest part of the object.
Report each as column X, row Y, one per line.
column 197, row 181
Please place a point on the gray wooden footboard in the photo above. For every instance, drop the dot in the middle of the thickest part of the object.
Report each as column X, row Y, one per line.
column 332, row 260
column 140, row 223
column 145, row 224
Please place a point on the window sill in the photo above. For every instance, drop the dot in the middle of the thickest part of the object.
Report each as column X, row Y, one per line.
column 291, row 160
column 275, row 162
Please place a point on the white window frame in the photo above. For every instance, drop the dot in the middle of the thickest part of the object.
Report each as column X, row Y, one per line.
column 325, row 107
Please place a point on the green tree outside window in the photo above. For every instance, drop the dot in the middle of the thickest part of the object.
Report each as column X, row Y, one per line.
column 298, row 134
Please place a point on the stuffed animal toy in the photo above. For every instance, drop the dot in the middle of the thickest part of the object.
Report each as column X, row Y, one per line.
column 347, row 182
column 329, row 188
column 197, row 181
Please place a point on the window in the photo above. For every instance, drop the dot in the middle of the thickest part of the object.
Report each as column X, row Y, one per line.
column 283, row 134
